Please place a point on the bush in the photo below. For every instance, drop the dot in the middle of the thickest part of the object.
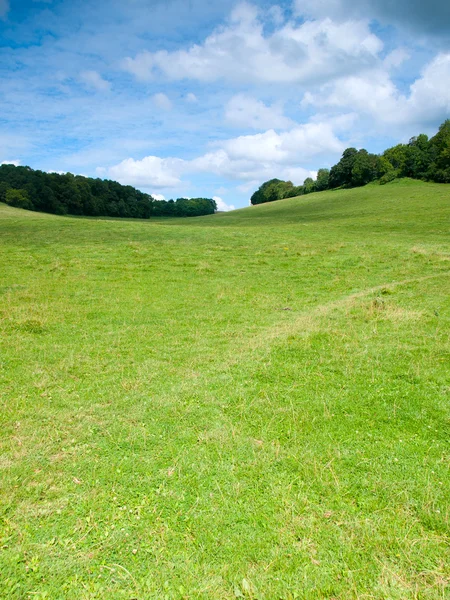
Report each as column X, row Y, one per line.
column 389, row 176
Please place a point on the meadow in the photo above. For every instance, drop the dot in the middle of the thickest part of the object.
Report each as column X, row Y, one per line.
column 244, row 405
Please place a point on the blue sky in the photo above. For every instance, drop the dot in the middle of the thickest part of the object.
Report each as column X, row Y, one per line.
column 212, row 98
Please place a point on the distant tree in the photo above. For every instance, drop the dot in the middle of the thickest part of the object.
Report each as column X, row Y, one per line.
column 364, row 169
column 18, row 198
column 269, row 191
column 323, row 179
column 341, row 174
column 309, row 185
column 68, row 194
column 275, row 189
column 439, row 168
column 4, row 187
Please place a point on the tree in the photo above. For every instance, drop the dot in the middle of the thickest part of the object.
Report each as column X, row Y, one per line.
column 341, row 174
column 364, row 169
column 68, row 194
column 323, row 179
column 309, row 185
column 439, row 168
column 18, row 198
column 4, row 187
column 268, row 192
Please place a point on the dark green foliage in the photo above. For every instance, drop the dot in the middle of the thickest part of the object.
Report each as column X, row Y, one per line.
column 271, row 190
column 4, row 187
column 59, row 194
column 276, row 189
column 184, row 207
column 309, row 185
column 323, row 179
column 356, row 168
column 341, row 174
column 389, row 176
column 439, row 169
column 18, row 198
column 365, row 168
column 420, row 158
column 412, row 159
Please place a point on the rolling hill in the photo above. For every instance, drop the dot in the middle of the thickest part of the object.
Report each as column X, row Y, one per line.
column 251, row 404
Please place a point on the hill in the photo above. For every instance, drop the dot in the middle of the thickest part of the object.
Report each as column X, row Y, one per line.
column 252, row 404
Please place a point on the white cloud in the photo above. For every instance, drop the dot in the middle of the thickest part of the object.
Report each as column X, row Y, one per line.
column 396, row 58
column 4, row 8
column 243, row 111
column 430, row 95
column 290, row 147
column 275, row 14
column 151, row 171
column 162, row 101
column 376, row 95
column 192, row 98
column 428, row 17
column 222, row 205
column 158, row 196
column 312, row 51
column 16, row 163
column 95, row 81
column 247, row 158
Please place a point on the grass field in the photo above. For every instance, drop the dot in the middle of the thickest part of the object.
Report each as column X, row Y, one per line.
column 247, row 405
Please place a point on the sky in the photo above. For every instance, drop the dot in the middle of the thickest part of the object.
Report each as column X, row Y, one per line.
column 210, row 98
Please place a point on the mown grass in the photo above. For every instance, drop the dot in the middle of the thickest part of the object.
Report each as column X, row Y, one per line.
column 249, row 405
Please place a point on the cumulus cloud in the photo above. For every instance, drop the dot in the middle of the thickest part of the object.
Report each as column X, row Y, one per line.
column 162, row 101
column 222, row 206
column 151, row 171
column 431, row 17
column 252, row 158
column 241, row 51
column 94, row 81
column 158, row 196
column 16, row 163
column 396, row 58
column 429, row 99
column 247, row 112
column 376, row 95
column 297, row 145
column 276, row 14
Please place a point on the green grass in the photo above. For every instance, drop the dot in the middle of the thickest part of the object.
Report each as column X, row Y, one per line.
column 249, row 405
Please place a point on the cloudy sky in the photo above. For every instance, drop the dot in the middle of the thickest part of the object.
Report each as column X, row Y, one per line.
column 213, row 97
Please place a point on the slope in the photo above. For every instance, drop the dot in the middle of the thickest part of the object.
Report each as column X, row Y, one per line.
column 251, row 404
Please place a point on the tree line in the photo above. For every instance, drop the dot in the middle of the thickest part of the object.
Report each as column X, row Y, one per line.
column 63, row 194
column 420, row 158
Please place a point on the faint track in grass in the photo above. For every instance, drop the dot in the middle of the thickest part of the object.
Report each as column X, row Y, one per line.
column 288, row 327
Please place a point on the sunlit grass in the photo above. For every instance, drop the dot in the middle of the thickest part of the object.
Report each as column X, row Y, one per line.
column 245, row 405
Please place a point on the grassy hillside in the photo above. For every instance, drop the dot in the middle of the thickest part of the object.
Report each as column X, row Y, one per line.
column 249, row 405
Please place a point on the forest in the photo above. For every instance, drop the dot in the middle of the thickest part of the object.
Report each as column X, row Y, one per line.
column 420, row 158
column 63, row 194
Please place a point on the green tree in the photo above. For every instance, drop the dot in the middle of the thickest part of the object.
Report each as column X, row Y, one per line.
column 341, row 174
column 323, row 179
column 18, row 198
column 309, row 185
column 364, row 169
column 439, row 169
column 4, row 187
